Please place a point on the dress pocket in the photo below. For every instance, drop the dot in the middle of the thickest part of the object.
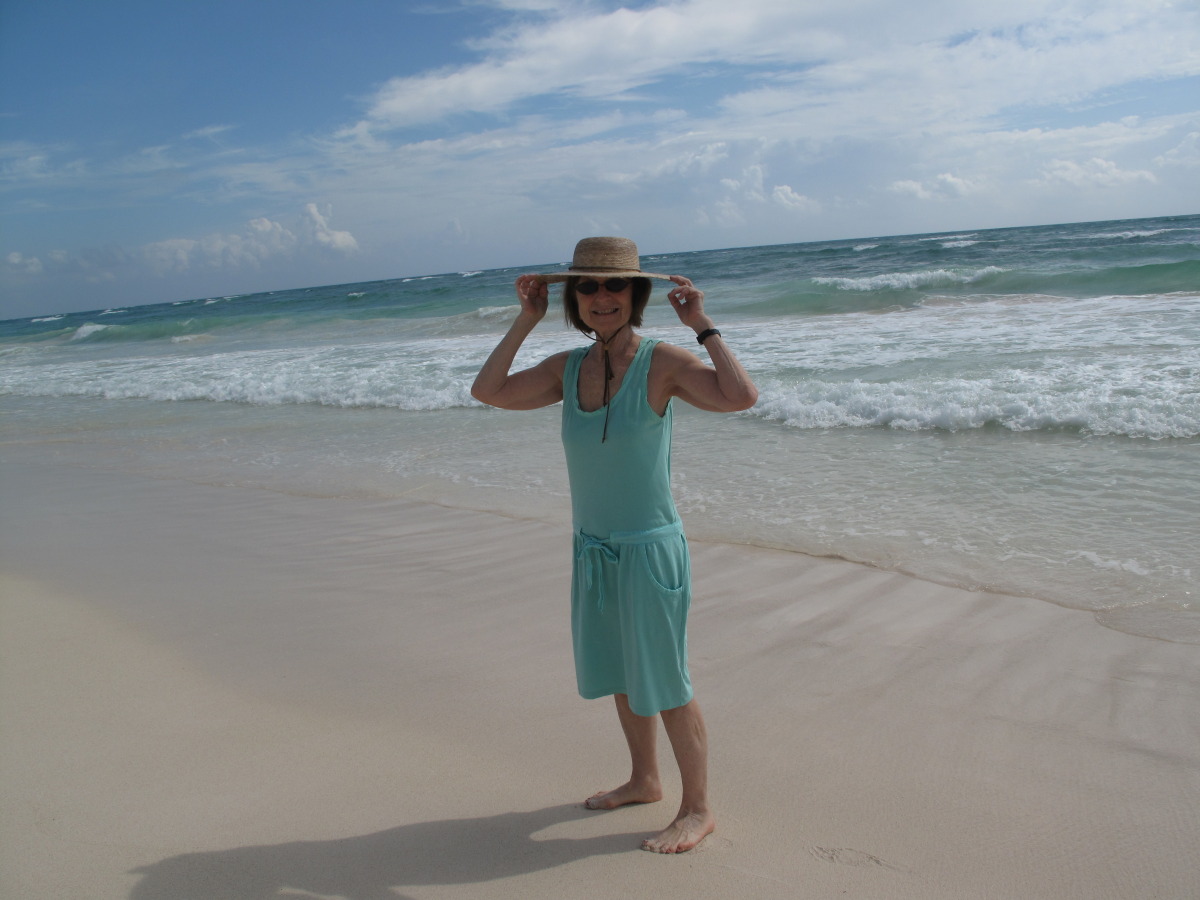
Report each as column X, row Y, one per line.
column 667, row 564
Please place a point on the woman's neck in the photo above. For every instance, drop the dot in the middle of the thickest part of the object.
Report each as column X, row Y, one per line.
column 618, row 340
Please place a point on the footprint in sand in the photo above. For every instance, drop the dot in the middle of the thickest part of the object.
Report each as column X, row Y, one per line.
column 849, row 857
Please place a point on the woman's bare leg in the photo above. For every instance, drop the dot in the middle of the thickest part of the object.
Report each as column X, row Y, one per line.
column 689, row 741
column 644, row 786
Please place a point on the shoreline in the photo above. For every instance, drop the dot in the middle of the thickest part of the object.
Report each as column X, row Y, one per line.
column 121, row 447
column 227, row 689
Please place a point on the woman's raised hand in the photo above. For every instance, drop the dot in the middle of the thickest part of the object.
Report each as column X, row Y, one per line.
column 534, row 295
column 688, row 301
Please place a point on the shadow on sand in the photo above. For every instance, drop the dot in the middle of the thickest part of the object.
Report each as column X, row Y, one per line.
column 377, row 866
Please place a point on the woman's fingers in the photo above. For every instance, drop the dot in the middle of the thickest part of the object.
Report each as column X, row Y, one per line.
column 684, row 293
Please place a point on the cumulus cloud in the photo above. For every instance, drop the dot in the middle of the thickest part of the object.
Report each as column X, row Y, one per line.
column 749, row 184
column 1094, row 172
column 92, row 266
column 1185, row 153
column 171, row 255
column 727, row 212
column 942, row 187
column 342, row 241
column 25, row 265
column 786, row 197
column 261, row 240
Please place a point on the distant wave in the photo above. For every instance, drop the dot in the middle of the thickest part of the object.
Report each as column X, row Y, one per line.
column 1126, row 235
column 152, row 330
column 907, row 281
column 962, row 405
column 496, row 312
column 363, row 377
column 899, row 290
column 83, row 332
column 1142, row 280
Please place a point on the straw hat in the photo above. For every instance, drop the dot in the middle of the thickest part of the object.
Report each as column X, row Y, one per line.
column 604, row 257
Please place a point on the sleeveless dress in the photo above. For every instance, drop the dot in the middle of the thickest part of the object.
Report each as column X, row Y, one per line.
column 631, row 582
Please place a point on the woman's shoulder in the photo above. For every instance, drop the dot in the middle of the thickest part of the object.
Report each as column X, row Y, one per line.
column 558, row 361
column 669, row 364
column 670, row 354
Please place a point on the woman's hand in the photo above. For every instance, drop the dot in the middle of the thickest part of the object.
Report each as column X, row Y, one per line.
column 723, row 387
column 688, row 301
column 530, row 388
column 534, row 295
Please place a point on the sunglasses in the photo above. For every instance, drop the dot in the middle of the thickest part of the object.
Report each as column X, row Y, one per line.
column 612, row 285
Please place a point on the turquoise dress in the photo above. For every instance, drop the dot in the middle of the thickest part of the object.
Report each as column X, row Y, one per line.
column 631, row 582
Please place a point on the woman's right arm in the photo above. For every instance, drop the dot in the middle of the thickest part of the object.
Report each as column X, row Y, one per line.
column 531, row 388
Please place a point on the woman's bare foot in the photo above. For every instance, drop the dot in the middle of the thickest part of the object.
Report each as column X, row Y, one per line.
column 688, row 830
column 648, row 792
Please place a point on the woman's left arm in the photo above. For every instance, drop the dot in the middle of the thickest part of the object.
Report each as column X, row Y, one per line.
column 723, row 387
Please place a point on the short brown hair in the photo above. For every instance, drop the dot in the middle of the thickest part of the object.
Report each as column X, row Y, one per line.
column 641, row 296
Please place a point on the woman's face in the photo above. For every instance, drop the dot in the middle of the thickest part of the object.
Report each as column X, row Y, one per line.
column 606, row 310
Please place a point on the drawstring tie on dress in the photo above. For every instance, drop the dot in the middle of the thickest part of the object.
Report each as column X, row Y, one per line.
column 594, row 552
column 608, row 374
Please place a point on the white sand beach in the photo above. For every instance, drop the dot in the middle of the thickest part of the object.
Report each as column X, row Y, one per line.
column 219, row 692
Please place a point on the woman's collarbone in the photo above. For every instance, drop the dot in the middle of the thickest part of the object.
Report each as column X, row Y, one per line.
column 591, row 379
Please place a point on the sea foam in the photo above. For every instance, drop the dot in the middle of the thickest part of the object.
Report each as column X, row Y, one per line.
column 83, row 332
column 903, row 281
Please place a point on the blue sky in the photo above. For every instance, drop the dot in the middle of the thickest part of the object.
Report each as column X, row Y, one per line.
column 154, row 151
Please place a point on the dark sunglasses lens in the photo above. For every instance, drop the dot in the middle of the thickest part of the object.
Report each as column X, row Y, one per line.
column 612, row 285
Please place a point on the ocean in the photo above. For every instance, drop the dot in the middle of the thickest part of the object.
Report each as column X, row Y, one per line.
column 1014, row 410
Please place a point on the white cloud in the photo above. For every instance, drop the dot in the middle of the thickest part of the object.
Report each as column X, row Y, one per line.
column 1185, row 153
column 728, row 213
column 24, row 164
column 1094, row 172
column 25, row 265
column 785, row 196
column 260, row 241
column 271, row 236
column 749, row 184
column 942, row 187
column 171, row 255
column 209, row 132
column 342, row 241
column 587, row 53
column 867, row 67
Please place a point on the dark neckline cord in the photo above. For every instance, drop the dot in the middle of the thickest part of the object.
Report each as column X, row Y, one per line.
column 608, row 374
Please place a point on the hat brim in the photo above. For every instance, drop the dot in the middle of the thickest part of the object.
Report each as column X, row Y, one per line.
column 555, row 277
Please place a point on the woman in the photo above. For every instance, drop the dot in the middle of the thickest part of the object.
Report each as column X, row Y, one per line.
column 631, row 586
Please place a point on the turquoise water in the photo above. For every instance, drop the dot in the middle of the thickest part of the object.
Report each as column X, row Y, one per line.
column 1015, row 409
